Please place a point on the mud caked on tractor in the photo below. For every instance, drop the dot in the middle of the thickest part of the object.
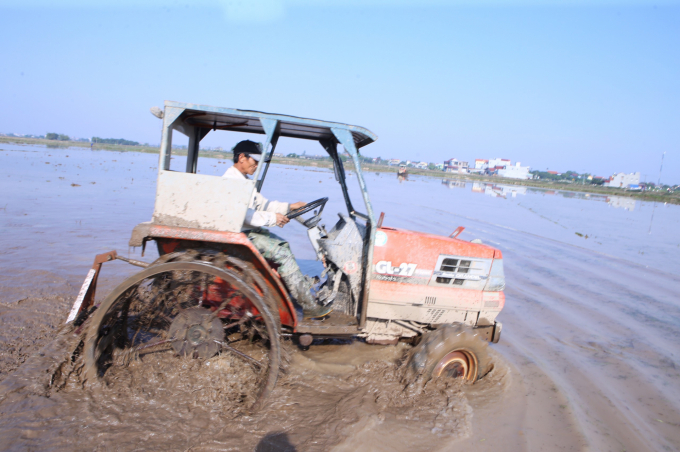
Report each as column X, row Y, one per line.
column 212, row 292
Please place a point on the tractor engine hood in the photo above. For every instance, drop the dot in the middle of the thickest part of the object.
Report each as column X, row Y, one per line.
column 434, row 270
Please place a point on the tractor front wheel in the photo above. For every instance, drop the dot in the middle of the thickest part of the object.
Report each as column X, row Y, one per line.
column 450, row 351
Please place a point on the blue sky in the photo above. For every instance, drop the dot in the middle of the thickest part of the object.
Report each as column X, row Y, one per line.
column 585, row 86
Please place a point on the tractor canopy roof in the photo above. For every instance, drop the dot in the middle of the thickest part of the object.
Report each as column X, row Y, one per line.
column 218, row 118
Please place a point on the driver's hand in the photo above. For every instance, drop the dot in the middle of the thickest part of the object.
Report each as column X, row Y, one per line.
column 281, row 220
column 297, row 205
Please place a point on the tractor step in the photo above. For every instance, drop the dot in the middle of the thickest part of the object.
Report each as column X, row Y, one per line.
column 333, row 323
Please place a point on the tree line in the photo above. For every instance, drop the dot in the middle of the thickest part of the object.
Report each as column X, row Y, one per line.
column 114, row 141
column 57, row 136
column 63, row 137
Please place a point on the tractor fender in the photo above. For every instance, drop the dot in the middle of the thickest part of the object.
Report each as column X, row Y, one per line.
column 172, row 238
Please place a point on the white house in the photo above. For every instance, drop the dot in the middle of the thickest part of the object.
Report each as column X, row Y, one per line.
column 623, row 180
column 515, row 171
column 455, row 166
column 481, row 164
column 498, row 163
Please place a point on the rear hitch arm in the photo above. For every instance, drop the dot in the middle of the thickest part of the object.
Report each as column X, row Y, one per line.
column 85, row 297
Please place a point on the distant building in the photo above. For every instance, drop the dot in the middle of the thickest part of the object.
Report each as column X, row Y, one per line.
column 439, row 166
column 455, row 166
column 394, row 161
column 501, row 167
column 500, row 163
column 623, row 180
column 481, row 164
column 421, row 165
column 515, row 172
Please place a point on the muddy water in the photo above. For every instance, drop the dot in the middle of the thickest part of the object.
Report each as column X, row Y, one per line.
column 588, row 359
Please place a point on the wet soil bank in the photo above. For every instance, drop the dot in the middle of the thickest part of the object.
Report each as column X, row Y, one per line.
column 588, row 360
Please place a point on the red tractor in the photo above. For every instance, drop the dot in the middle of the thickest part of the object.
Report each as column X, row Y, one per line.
column 212, row 293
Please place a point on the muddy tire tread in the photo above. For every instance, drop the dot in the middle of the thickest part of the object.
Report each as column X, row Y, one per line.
column 434, row 345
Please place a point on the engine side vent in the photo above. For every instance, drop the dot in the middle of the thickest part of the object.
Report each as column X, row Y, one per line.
column 430, row 300
column 433, row 315
column 454, row 266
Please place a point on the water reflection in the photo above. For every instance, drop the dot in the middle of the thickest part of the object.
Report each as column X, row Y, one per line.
column 454, row 183
column 620, row 202
column 498, row 191
column 505, row 191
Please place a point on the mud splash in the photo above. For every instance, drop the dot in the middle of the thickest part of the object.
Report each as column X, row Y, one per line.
column 340, row 397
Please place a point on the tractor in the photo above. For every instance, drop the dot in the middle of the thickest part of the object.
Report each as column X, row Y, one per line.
column 211, row 292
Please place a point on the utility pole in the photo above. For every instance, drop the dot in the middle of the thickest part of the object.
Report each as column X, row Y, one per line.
column 658, row 185
column 661, row 169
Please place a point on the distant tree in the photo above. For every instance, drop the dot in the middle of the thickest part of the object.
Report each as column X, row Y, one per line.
column 292, row 155
column 431, row 166
column 63, row 138
column 545, row 175
column 114, row 141
column 52, row 136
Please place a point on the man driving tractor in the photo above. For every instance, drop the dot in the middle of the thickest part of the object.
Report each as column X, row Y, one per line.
column 263, row 213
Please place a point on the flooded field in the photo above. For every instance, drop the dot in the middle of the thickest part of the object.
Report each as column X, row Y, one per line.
column 589, row 358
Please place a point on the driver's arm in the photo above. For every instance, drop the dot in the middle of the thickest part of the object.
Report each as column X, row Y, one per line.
column 259, row 218
column 262, row 203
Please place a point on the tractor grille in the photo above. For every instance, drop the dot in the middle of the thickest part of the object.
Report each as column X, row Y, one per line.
column 454, row 266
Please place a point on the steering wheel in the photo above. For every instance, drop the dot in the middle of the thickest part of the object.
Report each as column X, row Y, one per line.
column 307, row 208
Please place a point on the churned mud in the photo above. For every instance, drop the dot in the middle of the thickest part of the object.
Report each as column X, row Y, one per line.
column 30, row 319
column 588, row 359
column 348, row 398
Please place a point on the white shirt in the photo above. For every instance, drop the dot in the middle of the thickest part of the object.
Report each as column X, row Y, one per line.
column 261, row 211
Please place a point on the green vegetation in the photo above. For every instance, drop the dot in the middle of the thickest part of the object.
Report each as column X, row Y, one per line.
column 568, row 177
column 120, row 141
column 57, row 136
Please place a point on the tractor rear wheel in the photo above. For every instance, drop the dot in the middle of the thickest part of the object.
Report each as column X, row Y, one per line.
column 450, row 351
column 190, row 308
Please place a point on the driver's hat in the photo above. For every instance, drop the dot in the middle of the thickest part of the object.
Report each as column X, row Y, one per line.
column 249, row 148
